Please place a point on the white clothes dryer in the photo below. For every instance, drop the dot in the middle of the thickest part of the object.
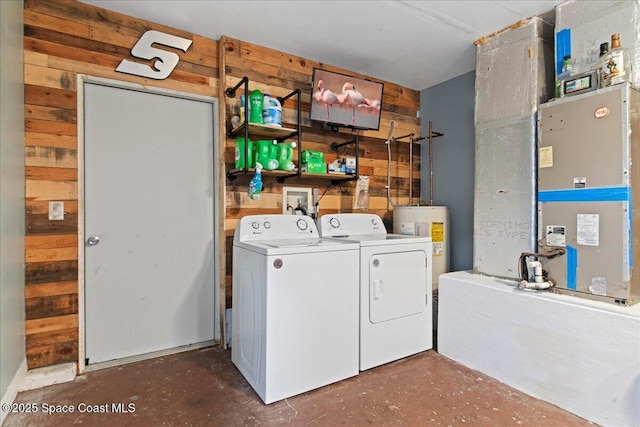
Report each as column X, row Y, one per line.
column 395, row 287
column 295, row 306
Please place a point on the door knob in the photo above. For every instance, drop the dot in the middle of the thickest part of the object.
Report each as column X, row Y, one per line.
column 93, row 240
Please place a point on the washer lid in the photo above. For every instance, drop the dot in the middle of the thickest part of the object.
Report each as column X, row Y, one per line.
column 295, row 243
column 296, row 246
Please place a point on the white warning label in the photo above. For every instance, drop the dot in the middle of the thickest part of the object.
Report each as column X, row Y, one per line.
column 588, row 229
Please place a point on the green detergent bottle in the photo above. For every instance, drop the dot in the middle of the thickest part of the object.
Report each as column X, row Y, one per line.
column 240, row 160
column 266, row 152
column 285, row 156
column 256, row 101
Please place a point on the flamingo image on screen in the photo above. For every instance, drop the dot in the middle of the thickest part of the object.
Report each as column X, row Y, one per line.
column 342, row 100
column 325, row 97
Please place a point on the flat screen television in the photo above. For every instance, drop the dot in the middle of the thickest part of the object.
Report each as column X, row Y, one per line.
column 341, row 100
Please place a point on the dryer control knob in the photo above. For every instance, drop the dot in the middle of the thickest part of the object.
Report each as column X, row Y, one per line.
column 267, row 225
column 302, row 224
column 374, row 221
column 334, row 222
column 255, row 225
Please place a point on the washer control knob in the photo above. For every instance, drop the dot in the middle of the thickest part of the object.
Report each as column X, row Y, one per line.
column 267, row 225
column 255, row 225
column 374, row 221
column 334, row 222
column 302, row 224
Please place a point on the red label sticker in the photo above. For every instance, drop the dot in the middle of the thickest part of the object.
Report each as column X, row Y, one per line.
column 601, row 112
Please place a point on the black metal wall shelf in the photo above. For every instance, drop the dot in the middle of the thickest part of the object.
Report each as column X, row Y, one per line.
column 278, row 133
column 265, row 131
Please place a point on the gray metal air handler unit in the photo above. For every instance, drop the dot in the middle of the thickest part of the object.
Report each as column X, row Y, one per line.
column 589, row 193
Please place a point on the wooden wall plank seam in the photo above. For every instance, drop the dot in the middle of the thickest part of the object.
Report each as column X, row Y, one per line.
column 34, row 290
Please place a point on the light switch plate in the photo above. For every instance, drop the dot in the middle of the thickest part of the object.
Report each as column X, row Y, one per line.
column 56, row 211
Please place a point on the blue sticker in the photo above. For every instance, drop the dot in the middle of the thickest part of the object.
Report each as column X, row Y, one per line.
column 604, row 194
column 630, row 209
column 572, row 267
column 563, row 48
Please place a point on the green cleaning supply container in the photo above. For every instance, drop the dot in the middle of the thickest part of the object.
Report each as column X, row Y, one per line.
column 240, row 160
column 255, row 107
column 311, row 156
column 285, row 156
column 266, row 153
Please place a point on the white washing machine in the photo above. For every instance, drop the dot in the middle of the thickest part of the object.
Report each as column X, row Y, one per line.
column 395, row 287
column 295, row 306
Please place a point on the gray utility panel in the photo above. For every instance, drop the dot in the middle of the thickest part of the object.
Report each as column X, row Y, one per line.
column 514, row 74
column 586, row 185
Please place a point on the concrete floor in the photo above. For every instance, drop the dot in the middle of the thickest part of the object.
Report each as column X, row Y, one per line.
column 203, row 388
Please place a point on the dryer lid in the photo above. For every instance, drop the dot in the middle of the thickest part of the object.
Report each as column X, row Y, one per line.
column 384, row 239
column 349, row 224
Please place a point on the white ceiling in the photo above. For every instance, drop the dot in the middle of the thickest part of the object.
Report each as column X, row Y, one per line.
column 416, row 44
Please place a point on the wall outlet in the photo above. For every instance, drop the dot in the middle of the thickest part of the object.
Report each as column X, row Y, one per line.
column 56, row 211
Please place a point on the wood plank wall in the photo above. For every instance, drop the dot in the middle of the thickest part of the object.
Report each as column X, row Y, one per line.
column 278, row 74
column 64, row 38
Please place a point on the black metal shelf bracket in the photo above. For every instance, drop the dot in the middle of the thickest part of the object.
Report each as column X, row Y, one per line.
column 339, row 181
column 335, row 145
column 231, row 91
column 409, row 135
column 282, row 179
column 298, row 93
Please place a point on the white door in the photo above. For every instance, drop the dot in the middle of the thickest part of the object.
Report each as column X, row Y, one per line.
column 149, row 222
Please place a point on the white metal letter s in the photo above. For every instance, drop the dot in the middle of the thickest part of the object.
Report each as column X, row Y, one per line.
column 165, row 61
